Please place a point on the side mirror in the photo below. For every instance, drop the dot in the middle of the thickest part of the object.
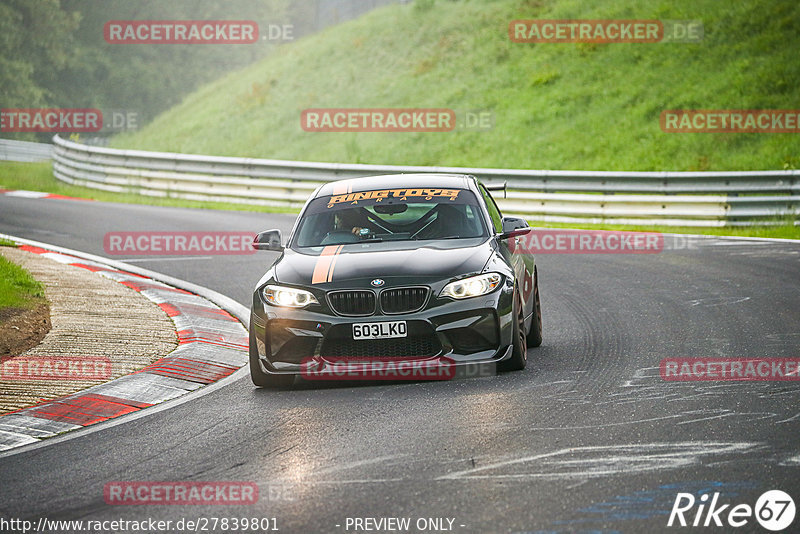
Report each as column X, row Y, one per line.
column 269, row 240
column 514, row 227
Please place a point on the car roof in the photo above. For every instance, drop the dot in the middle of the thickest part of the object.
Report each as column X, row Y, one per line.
column 396, row 181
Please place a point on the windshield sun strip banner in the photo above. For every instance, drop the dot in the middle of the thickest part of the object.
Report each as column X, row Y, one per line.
column 402, row 195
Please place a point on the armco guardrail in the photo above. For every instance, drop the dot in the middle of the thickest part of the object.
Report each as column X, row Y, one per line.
column 665, row 198
column 25, row 151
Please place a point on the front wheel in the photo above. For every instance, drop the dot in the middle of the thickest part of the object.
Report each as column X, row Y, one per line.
column 259, row 377
column 519, row 353
column 535, row 333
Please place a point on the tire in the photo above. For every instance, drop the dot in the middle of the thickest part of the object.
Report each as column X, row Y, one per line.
column 535, row 332
column 519, row 353
column 259, row 377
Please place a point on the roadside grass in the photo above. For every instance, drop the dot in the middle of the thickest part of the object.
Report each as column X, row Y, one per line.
column 39, row 177
column 18, row 289
column 784, row 230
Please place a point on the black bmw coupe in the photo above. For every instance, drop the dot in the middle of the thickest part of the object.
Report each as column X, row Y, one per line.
column 422, row 267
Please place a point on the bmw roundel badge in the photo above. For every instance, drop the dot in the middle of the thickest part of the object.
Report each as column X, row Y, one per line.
column 377, row 282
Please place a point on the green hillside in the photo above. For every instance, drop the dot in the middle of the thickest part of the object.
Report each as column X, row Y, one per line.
column 555, row 106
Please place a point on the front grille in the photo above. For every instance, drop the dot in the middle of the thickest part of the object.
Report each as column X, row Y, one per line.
column 403, row 300
column 355, row 302
column 411, row 347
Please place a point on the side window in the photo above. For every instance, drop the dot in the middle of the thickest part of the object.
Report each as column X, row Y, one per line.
column 494, row 212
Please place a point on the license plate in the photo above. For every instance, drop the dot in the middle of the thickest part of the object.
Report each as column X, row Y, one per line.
column 380, row 330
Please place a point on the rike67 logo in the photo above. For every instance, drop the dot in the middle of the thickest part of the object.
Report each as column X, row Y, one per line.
column 774, row 510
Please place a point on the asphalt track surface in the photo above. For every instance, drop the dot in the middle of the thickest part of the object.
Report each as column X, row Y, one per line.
column 587, row 438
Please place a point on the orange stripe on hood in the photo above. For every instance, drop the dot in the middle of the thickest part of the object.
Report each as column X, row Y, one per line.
column 323, row 270
column 333, row 263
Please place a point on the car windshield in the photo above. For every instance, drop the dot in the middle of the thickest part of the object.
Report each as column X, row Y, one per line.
column 390, row 215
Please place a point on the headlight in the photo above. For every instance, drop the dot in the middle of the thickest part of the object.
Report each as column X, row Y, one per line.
column 474, row 286
column 288, row 297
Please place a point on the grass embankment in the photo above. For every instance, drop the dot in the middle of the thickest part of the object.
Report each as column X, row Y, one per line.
column 18, row 289
column 555, row 105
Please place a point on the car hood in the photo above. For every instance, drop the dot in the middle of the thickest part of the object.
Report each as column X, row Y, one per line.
column 336, row 266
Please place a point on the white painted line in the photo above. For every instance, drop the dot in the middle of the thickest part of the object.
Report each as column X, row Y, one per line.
column 794, row 461
column 604, row 425
column 27, row 194
column 9, row 440
column 60, row 258
column 598, row 461
column 790, row 419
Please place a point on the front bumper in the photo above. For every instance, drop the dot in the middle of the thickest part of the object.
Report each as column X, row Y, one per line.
column 460, row 332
